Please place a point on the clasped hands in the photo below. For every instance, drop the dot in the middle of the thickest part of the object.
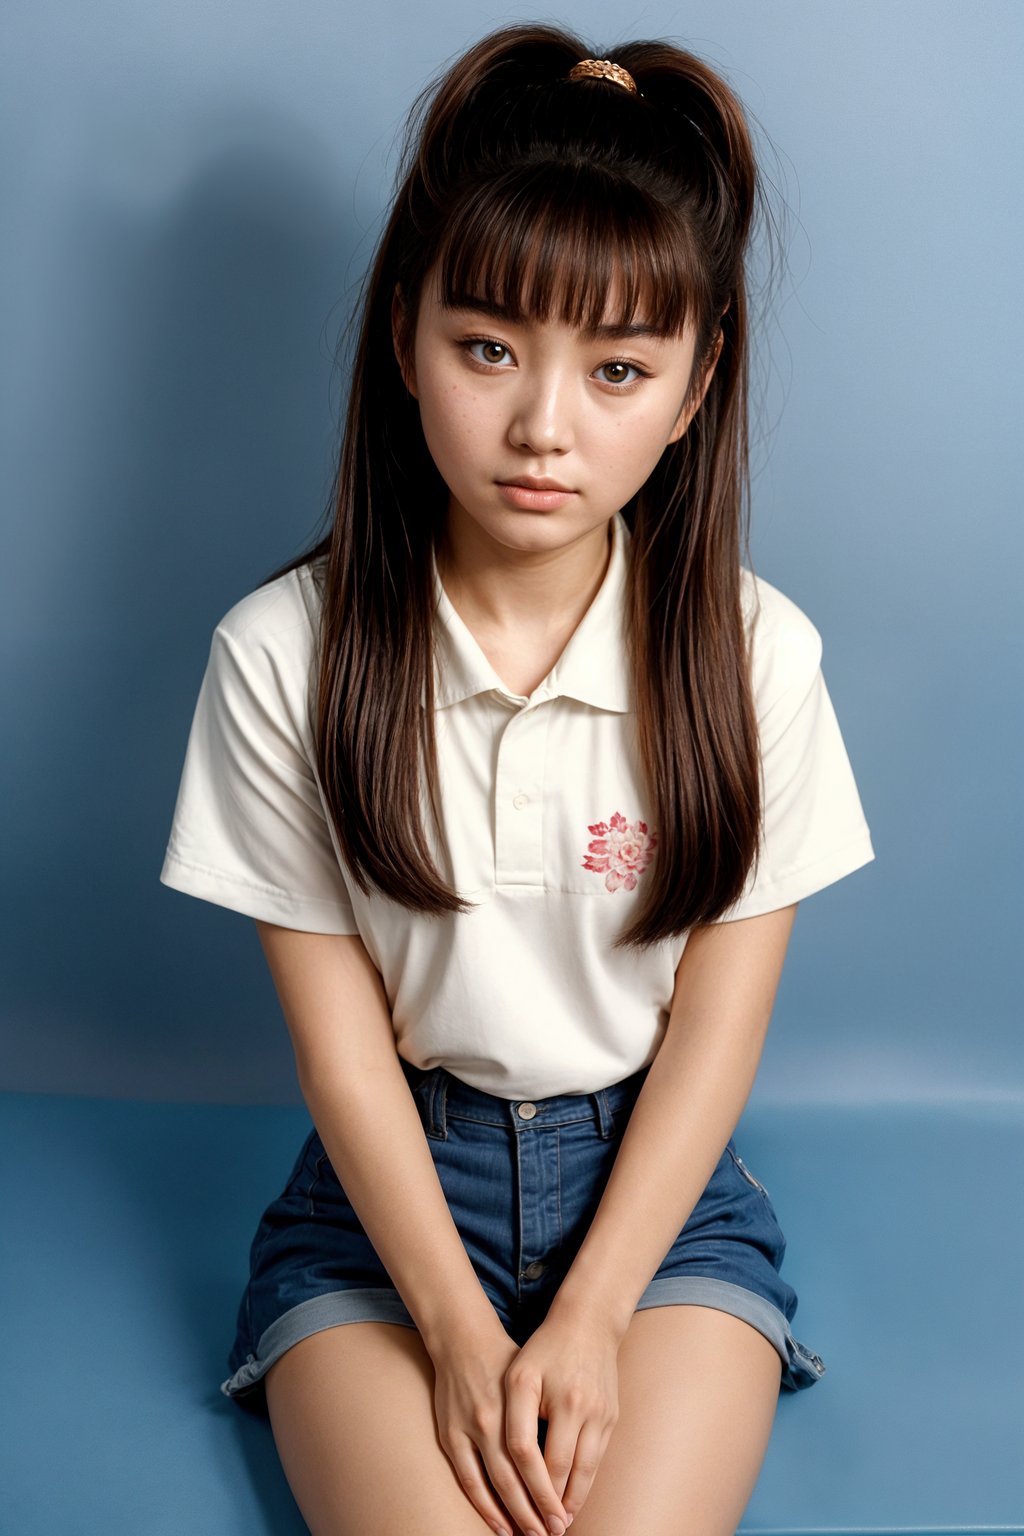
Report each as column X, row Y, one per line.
column 489, row 1394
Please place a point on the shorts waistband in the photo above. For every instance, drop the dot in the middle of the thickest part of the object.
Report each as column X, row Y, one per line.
column 440, row 1093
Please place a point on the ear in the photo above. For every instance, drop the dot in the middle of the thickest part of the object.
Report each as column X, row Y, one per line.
column 405, row 366
column 691, row 408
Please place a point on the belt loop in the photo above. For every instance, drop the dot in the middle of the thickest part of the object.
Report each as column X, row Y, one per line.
column 437, row 1094
column 605, row 1123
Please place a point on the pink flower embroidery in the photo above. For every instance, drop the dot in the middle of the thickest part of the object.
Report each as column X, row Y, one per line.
column 621, row 850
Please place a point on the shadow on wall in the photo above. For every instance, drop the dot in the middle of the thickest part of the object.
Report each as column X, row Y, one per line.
column 197, row 446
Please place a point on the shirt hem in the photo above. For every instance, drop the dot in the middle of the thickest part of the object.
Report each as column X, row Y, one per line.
column 805, row 881
column 310, row 916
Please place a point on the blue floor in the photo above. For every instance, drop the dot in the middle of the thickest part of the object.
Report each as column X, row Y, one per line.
column 125, row 1253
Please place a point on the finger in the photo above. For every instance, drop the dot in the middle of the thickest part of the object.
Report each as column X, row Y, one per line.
column 590, row 1447
column 469, row 1468
column 522, row 1405
column 560, row 1444
column 515, row 1495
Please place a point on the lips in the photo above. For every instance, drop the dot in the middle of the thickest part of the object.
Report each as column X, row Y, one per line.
column 530, row 484
column 534, row 495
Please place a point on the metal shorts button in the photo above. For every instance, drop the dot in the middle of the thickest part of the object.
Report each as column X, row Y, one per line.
column 527, row 1111
column 534, row 1271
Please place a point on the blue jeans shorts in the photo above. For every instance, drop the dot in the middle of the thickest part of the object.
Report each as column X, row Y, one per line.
column 522, row 1181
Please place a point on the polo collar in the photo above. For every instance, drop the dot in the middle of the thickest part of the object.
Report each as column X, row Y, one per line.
column 592, row 668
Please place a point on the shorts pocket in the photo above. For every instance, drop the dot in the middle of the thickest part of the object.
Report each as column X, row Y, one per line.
column 299, row 1178
column 746, row 1173
column 319, row 1191
column 314, row 1180
column 306, row 1176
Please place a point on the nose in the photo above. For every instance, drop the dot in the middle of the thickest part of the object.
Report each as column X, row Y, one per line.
column 542, row 414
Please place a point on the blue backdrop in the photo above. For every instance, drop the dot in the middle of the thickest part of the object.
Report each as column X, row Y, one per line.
column 190, row 195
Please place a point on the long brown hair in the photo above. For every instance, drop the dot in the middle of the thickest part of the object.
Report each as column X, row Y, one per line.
column 536, row 192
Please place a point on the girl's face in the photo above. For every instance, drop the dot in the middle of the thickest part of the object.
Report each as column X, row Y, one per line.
column 541, row 431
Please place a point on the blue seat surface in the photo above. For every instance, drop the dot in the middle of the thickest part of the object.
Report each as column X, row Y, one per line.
column 126, row 1251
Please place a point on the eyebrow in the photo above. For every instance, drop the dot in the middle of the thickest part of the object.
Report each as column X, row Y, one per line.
column 613, row 332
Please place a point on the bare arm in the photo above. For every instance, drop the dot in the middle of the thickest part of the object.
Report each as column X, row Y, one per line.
column 686, row 1111
column 338, row 1017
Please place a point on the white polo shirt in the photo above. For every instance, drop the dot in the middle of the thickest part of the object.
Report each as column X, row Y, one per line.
column 546, row 829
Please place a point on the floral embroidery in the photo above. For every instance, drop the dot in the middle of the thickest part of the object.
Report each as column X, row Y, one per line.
column 621, row 850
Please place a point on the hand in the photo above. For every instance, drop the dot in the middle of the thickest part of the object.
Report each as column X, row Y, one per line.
column 471, row 1371
column 566, row 1373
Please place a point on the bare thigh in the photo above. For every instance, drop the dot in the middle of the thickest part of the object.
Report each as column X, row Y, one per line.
column 352, row 1412
column 698, row 1390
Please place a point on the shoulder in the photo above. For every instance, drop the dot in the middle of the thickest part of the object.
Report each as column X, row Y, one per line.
column 262, row 649
column 281, row 616
column 786, row 645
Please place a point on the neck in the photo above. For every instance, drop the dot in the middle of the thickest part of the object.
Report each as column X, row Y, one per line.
column 505, row 591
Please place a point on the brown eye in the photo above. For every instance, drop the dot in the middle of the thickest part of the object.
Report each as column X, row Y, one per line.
column 492, row 352
column 616, row 371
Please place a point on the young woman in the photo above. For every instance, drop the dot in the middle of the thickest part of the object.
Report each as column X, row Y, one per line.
column 522, row 774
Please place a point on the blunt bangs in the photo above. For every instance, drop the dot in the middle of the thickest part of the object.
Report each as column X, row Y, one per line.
column 548, row 243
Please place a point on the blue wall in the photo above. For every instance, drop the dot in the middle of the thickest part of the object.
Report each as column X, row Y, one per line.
column 190, row 194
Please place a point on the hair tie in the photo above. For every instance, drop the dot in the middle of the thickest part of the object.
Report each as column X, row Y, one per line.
column 603, row 69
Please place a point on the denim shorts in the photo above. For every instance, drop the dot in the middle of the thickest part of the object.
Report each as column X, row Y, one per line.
column 522, row 1180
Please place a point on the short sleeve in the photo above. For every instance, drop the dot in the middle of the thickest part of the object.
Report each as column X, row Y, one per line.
column 814, row 831
column 249, row 829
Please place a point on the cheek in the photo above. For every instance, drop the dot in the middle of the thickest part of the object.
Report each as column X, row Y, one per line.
column 451, row 423
column 629, row 448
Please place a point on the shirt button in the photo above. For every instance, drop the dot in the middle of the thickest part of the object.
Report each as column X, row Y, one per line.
column 534, row 1271
column 527, row 1111
column 519, row 801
